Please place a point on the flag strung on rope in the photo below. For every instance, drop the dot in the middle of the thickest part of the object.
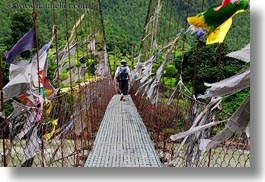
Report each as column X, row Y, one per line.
column 228, row 86
column 218, row 23
column 24, row 44
column 24, row 77
column 237, row 123
column 242, row 54
column 224, row 3
column 49, row 135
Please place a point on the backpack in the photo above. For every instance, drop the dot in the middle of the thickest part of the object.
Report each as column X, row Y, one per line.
column 122, row 73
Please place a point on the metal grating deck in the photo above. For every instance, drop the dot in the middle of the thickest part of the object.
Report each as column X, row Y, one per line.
column 122, row 139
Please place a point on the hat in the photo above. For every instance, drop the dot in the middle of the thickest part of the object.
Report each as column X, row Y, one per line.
column 123, row 61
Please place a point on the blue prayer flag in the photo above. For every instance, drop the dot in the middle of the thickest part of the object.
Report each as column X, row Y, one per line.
column 24, row 44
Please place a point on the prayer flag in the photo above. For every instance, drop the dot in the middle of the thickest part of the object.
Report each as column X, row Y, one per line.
column 218, row 23
column 24, row 44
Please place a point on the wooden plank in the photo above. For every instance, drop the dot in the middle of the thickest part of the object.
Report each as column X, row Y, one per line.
column 122, row 139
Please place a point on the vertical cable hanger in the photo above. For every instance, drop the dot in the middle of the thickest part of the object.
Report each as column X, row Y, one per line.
column 170, row 21
column 76, row 39
column 56, row 42
column 173, row 49
column 2, row 116
column 178, row 25
column 79, row 89
column 196, row 60
column 34, row 16
column 70, row 70
column 57, row 72
column 132, row 48
column 174, row 57
column 184, row 39
column 219, row 62
column 85, row 54
column 162, row 26
column 68, row 46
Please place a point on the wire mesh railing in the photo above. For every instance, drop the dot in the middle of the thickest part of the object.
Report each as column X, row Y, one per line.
column 163, row 120
column 60, row 139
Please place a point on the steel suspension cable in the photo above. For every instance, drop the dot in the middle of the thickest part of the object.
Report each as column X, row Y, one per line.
column 58, row 73
column 219, row 62
column 79, row 88
column 56, row 42
column 178, row 25
column 184, row 39
column 70, row 71
column 34, row 16
column 196, row 60
column 76, row 40
column 162, row 26
column 83, row 90
column 174, row 58
column 170, row 21
column 86, row 32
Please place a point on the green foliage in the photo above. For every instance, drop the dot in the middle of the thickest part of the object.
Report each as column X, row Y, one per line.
column 231, row 103
column 21, row 22
column 205, row 59
column 170, row 82
column 8, row 108
column 124, row 22
column 91, row 66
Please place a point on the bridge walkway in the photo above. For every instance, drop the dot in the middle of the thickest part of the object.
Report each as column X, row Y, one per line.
column 122, row 139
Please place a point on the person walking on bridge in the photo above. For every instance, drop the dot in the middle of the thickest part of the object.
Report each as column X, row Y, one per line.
column 122, row 76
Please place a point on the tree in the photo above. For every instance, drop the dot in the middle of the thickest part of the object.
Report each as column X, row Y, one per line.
column 207, row 57
column 21, row 22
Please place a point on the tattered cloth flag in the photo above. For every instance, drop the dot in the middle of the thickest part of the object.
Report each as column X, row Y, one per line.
column 242, row 54
column 218, row 23
column 24, row 44
column 224, row 3
column 228, row 86
column 32, row 148
column 237, row 123
column 50, row 134
column 24, row 76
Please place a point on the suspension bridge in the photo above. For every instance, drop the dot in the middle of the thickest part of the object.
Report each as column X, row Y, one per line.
column 78, row 120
